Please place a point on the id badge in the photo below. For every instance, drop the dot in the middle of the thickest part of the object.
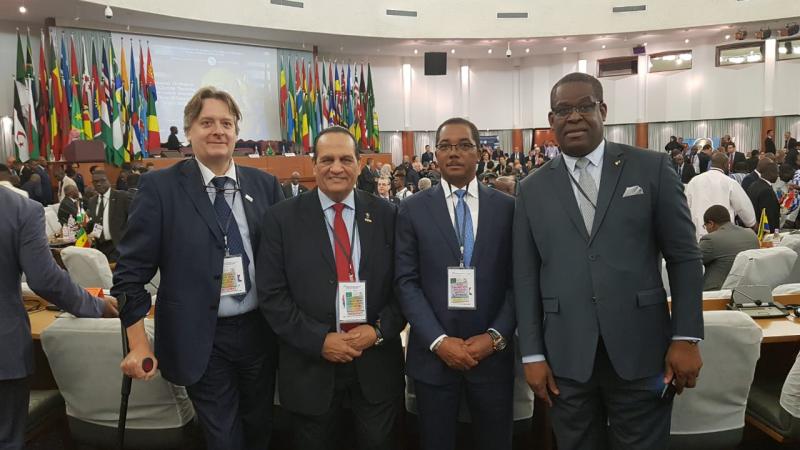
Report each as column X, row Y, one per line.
column 351, row 302
column 461, row 288
column 97, row 231
column 233, row 276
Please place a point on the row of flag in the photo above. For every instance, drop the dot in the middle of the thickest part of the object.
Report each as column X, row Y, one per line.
column 308, row 105
column 66, row 100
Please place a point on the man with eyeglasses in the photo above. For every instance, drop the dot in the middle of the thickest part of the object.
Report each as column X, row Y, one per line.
column 199, row 223
column 596, row 336
column 452, row 258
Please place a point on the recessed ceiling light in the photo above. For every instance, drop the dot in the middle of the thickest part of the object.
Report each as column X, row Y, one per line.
column 686, row 41
column 416, row 51
column 727, row 36
column 490, row 51
column 563, row 49
column 23, row 9
column 644, row 45
column 604, row 45
column 527, row 50
column 452, row 51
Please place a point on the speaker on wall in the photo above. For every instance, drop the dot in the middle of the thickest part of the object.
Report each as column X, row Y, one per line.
column 435, row 63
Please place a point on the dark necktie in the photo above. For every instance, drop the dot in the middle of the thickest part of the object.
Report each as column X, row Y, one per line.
column 225, row 217
column 101, row 209
column 342, row 253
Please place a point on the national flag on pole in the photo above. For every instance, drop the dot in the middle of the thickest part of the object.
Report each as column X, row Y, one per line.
column 324, row 108
column 33, row 119
column 153, row 132
column 137, row 141
column 59, row 111
column 43, row 107
column 75, row 104
column 290, row 112
column 86, row 96
column 372, row 127
column 763, row 225
column 118, row 144
column 143, row 101
column 97, row 90
column 21, row 143
column 106, row 96
column 124, row 118
column 283, row 97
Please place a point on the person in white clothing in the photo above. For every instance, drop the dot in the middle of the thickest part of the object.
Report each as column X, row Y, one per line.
column 715, row 188
column 5, row 181
column 64, row 181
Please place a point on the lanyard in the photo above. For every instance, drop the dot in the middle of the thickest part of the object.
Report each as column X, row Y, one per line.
column 338, row 242
column 461, row 232
column 580, row 189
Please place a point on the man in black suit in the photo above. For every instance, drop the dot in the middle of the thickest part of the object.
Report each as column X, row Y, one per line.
column 173, row 143
column 325, row 284
column 685, row 171
column 673, row 144
column 762, row 195
column 734, row 157
column 790, row 145
column 769, row 142
column 427, row 155
column 704, row 158
column 71, row 205
column 109, row 209
column 597, row 337
column 366, row 181
column 517, row 155
column 34, row 188
column 293, row 188
column 39, row 167
column 385, row 191
column 198, row 221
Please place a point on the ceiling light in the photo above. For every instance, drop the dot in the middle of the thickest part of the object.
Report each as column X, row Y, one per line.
column 563, row 49
column 727, row 36
column 783, row 50
column 416, row 51
column 669, row 58
column 686, row 41
column 527, row 50
column 644, row 45
column 604, row 45
column 686, row 56
column 753, row 58
column 452, row 51
column 736, row 59
column 679, row 62
column 490, row 51
column 23, row 9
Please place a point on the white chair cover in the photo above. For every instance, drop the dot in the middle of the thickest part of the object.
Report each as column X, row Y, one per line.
column 792, row 241
column 730, row 351
column 84, row 355
column 791, row 288
column 52, row 225
column 713, row 295
column 790, row 394
column 88, row 267
column 763, row 266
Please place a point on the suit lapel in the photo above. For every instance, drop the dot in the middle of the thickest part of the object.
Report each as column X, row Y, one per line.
column 364, row 211
column 192, row 183
column 566, row 195
column 441, row 217
column 613, row 163
column 312, row 209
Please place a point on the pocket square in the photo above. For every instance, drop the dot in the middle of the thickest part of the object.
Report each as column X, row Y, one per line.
column 630, row 191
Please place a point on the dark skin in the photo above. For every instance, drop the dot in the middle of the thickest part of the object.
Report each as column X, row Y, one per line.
column 579, row 135
column 458, row 169
column 100, row 182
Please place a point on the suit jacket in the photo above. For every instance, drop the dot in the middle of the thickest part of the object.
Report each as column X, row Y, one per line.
column 47, row 187
column 173, row 227
column 720, row 248
column 522, row 158
column 426, row 246
column 366, row 180
column 296, row 279
column 287, row 189
column 67, row 208
column 573, row 288
column 769, row 145
column 737, row 158
column 790, row 144
column 24, row 249
column 703, row 161
column 119, row 204
column 763, row 197
column 426, row 157
column 686, row 173
column 749, row 179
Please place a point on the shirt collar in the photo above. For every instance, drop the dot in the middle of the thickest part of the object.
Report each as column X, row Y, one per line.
column 326, row 202
column 595, row 157
column 472, row 188
column 208, row 175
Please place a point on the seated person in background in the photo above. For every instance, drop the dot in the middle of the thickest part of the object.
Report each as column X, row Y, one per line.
column 752, row 161
column 172, row 141
column 721, row 245
column 293, row 188
column 70, row 206
column 739, row 172
column 763, row 197
column 507, row 185
column 424, row 183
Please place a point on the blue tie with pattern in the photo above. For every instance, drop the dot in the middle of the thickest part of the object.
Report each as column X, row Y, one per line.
column 225, row 216
column 464, row 220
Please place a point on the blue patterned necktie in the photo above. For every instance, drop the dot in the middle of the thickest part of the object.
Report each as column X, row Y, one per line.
column 464, row 221
column 225, row 216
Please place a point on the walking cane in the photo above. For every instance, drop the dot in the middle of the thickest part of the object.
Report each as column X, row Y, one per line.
column 147, row 366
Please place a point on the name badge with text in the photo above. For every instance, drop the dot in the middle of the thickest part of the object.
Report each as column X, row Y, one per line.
column 461, row 288
column 97, row 231
column 351, row 302
column 233, row 276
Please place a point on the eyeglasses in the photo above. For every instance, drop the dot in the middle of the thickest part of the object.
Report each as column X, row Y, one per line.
column 461, row 147
column 583, row 109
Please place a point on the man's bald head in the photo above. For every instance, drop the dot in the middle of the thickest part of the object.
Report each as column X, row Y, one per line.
column 719, row 161
column 506, row 184
column 295, row 178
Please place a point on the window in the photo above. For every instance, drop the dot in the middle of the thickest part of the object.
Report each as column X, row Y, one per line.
column 675, row 60
column 612, row 67
column 788, row 49
column 735, row 54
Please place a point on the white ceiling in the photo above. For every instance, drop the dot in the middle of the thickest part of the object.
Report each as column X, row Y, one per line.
column 86, row 14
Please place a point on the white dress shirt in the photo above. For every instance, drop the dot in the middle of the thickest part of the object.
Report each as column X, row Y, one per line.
column 106, row 199
column 711, row 188
column 228, row 305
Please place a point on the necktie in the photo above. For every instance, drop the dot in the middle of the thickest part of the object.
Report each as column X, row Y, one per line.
column 586, row 183
column 464, row 222
column 342, row 250
column 225, row 216
column 101, row 209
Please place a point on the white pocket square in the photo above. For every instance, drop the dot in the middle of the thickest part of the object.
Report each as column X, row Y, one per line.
column 630, row 191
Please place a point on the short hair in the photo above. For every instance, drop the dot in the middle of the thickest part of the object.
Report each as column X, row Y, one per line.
column 335, row 129
column 577, row 77
column 717, row 214
column 99, row 172
column 386, row 179
column 133, row 180
column 730, row 144
column 769, row 131
column 476, row 136
column 70, row 172
column 195, row 105
column 707, row 147
column 424, row 183
column 754, row 153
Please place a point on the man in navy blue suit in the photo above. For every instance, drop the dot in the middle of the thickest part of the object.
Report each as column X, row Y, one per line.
column 453, row 254
column 199, row 223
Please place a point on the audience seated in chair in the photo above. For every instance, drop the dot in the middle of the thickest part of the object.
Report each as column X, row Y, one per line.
column 720, row 246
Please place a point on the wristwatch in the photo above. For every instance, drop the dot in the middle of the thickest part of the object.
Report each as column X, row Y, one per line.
column 498, row 341
column 378, row 333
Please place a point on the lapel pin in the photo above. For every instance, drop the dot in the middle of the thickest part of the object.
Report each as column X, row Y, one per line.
column 249, row 199
column 366, row 218
column 617, row 162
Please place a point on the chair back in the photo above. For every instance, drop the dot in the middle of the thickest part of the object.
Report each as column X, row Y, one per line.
column 792, row 241
column 763, row 266
column 87, row 267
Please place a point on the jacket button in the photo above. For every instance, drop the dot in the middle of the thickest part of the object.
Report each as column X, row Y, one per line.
column 592, row 257
column 595, row 299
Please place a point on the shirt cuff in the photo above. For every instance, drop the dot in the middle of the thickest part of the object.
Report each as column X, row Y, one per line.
column 532, row 359
column 686, row 338
column 436, row 341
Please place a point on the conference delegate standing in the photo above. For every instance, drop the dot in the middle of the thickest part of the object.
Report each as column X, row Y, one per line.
column 199, row 223
column 595, row 330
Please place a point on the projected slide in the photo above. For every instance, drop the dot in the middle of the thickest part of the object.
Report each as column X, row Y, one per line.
column 181, row 67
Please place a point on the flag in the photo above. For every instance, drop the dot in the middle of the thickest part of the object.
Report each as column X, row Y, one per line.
column 30, row 80
column 370, row 106
column 137, row 141
column 153, row 133
column 143, row 101
column 305, row 106
column 324, row 107
column 21, row 142
column 118, row 144
column 298, row 104
column 59, row 112
column 348, row 100
column 86, row 97
column 106, row 97
column 284, row 96
column 124, row 118
column 336, row 108
column 65, row 75
column 43, row 107
column 290, row 112
column 97, row 89
column 81, row 238
column 75, row 104
column 763, row 225
column 355, row 127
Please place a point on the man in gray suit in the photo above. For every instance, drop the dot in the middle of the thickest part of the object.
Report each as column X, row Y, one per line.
column 595, row 331
column 721, row 245
column 24, row 248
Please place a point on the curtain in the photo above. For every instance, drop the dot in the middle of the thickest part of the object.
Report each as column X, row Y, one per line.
column 392, row 142
column 421, row 139
column 784, row 124
column 504, row 136
column 623, row 134
column 6, row 142
column 746, row 133
column 527, row 139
